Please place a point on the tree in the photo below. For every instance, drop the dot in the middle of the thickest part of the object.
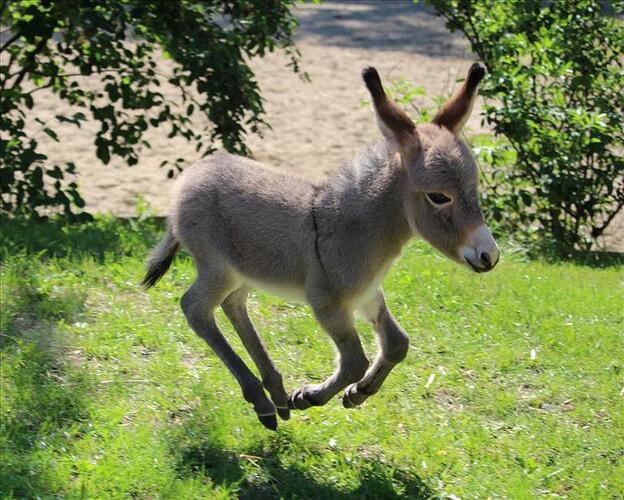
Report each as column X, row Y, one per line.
column 54, row 43
column 555, row 92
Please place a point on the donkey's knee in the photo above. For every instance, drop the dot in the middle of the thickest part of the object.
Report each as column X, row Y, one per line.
column 191, row 306
column 396, row 346
column 186, row 303
column 353, row 368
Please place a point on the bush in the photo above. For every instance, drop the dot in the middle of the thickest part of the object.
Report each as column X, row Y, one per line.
column 555, row 92
column 54, row 43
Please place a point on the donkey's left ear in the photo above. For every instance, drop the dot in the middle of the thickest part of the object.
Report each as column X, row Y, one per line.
column 394, row 123
column 456, row 111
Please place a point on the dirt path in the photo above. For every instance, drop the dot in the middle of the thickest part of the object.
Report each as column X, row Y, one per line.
column 315, row 125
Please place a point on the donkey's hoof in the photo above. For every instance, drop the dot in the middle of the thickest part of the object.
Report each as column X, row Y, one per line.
column 299, row 400
column 346, row 401
column 269, row 421
column 352, row 397
column 284, row 413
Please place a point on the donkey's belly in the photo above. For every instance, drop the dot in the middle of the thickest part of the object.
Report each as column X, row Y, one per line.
column 284, row 291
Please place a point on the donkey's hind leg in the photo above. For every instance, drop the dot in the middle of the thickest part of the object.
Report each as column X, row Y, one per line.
column 393, row 346
column 198, row 304
column 235, row 308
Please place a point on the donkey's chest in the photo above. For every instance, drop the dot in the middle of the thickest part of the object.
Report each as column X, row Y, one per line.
column 366, row 290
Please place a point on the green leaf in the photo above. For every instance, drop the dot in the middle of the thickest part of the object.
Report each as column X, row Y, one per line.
column 206, row 59
column 103, row 153
column 51, row 133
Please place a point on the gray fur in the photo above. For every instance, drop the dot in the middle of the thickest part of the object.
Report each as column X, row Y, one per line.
column 328, row 243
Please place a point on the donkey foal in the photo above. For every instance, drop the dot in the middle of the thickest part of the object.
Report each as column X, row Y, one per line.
column 329, row 244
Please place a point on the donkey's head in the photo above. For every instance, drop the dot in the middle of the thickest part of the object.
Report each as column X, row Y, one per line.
column 440, row 198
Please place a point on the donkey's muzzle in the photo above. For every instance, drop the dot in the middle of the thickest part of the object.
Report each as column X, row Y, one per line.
column 481, row 253
column 485, row 263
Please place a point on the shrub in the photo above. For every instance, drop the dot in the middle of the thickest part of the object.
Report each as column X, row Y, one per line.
column 55, row 43
column 555, row 92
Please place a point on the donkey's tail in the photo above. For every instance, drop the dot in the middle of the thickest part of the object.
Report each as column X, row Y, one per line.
column 160, row 259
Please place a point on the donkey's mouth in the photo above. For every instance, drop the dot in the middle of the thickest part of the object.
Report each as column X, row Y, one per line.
column 475, row 268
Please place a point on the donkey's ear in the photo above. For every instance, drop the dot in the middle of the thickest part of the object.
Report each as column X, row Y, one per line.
column 456, row 111
column 396, row 126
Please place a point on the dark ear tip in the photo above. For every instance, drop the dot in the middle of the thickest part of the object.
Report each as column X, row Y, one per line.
column 372, row 80
column 369, row 72
column 476, row 73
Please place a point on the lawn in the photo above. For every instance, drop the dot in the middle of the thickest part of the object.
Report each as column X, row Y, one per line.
column 513, row 386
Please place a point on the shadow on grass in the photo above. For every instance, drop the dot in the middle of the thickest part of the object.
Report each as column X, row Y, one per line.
column 269, row 473
column 56, row 237
column 597, row 259
column 29, row 303
column 43, row 408
column 33, row 307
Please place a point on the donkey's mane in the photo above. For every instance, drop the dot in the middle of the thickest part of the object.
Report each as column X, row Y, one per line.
column 362, row 175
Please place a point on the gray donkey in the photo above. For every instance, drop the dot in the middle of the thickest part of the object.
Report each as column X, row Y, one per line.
column 329, row 244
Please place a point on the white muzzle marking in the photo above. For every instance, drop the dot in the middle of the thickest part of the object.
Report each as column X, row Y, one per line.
column 480, row 252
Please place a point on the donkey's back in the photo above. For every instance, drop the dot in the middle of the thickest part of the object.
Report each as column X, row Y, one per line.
column 255, row 219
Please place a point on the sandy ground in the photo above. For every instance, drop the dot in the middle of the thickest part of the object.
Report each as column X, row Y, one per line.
column 315, row 125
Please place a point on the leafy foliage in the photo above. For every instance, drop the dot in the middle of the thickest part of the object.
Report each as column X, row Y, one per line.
column 55, row 44
column 555, row 92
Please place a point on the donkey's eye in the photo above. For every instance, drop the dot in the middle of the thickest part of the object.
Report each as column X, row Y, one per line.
column 438, row 198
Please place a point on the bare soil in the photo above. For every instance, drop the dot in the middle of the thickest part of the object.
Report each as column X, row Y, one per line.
column 315, row 125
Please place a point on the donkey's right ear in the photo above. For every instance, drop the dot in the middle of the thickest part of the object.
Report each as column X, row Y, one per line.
column 456, row 111
column 396, row 126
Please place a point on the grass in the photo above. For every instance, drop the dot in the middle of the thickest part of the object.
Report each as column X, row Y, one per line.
column 512, row 387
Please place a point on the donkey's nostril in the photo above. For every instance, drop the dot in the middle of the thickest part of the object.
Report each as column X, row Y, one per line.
column 485, row 259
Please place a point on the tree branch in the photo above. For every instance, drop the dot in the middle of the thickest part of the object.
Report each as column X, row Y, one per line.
column 53, row 77
column 597, row 231
column 10, row 41
column 477, row 41
column 29, row 62
column 5, row 4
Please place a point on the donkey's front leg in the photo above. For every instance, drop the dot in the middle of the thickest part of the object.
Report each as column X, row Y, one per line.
column 393, row 343
column 352, row 362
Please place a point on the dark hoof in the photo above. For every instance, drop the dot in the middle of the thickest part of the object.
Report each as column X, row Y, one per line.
column 346, row 398
column 300, row 401
column 352, row 397
column 284, row 413
column 269, row 421
column 346, row 401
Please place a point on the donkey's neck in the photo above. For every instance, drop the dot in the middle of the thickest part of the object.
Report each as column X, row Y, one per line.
column 368, row 192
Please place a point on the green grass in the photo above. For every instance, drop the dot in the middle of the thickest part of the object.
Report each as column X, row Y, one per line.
column 512, row 387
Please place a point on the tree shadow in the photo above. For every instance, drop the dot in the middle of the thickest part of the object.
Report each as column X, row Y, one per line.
column 46, row 406
column 597, row 259
column 374, row 25
column 266, row 473
column 56, row 237
column 29, row 304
